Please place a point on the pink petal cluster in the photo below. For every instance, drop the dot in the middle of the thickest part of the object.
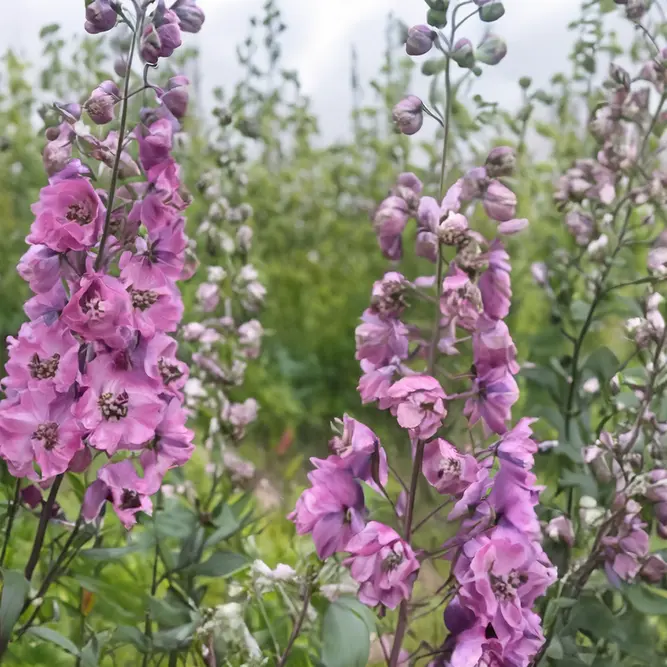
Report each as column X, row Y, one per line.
column 95, row 373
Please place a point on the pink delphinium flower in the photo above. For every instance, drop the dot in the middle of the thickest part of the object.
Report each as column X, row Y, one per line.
column 158, row 358
column 69, row 216
column 495, row 393
column 156, row 306
column 461, row 301
column 446, row 469
column 375, row 382
column 380, row 340
column 493, row 346
column 119, row 407
column 332, row 509
column 384, row 565
column 417, row 402
column 40, row 268
column 494, row 283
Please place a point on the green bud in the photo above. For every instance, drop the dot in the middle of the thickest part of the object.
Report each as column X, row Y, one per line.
column 436, row 18
column 491, row 50
column 434, row 66
column 491, row 12
column 438, row 5
column 525, row 82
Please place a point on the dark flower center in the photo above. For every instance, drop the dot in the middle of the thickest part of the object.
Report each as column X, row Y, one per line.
column 130, row 500
column 143, row 299
column 78, row 213
column 392, row 561
column 93, row 307
column 449, row 467
column 48, row 434
column 43, row 369
column 169, row 372
column 505, row 587
column 113, row 408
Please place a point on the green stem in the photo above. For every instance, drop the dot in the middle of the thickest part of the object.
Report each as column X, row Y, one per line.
column 10, row 520
column 297, row 627
column 119, row 149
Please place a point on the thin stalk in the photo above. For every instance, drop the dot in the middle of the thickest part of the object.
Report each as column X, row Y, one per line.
column 119, row 149
column 148, row 624
column 10, row 520
column 297, row 627
column 41, row 528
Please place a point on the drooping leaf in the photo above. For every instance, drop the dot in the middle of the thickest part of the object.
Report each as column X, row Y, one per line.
column 54, row 637
column 15, row 589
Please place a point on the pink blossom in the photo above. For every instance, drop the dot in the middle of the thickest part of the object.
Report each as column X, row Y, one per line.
column 375, row 382
column 495, row 393
column 100, row 310
column 208, row 296
column 417, row 402
column 493, row 346
column 461, row 301
column 499, row 202
column 155, row 143
column 449, row 471
column 388, row 296
column 156, row 306
column 560, row 529
column 332, row 509
column 69, row 216
column 40, row 428
column 47, row 305
column 158, row 358
column 384, row 565
column 380, row 340
column 494, row 283
column 40, row 268
column 172, row 445
column 119, row 408
column 42, row 355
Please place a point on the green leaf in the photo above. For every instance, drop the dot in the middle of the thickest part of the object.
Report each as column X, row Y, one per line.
column 603, row 363
column 170, row 613
column 220, row 564
column 49, row 29
column 49, row 635
column 14, row 592
column 171, row 640
column 555, row 650
column 646, row 599
column 113, row 553
column 346, row 638
column 227, row 524
column 580, row 480
column 126, row 634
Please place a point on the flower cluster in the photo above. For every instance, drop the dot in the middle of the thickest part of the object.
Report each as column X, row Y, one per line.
column 94, row 376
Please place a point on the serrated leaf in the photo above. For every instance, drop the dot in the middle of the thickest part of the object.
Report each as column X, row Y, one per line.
column 54, row 637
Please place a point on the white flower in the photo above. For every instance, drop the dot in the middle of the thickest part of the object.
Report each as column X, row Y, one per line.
column 591, row 386
column 597, row 249
column 216, row 274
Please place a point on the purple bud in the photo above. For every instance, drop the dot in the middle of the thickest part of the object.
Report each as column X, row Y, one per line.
column 408, row 115
column 100, row 16
column 176, row 96
column 149, row 47
column 161, row 37
column 620, row 76
column 420, row 40
column 491, row 50
column 120, row 66
column 58, row 150
column 100, row 104
column 190, row 16
column 463, row 54
column 70, row 112
column 635, row 9
column 426, row 245
column 500, row 162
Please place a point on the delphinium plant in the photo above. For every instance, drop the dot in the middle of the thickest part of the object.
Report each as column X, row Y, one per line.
column 93, row 410
column 411, row 365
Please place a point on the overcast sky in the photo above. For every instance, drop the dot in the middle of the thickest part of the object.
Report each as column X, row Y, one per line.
column 319, row 37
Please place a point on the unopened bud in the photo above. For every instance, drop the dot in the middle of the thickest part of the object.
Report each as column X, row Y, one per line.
column 491, row 50
column 618, row 75
column 500, row 162
column 436, row 18
column 463, row 53
column 453, row 230
column 420, row 40
column 635, row 9
column 491, row 11
column 191, row 16
column 101, row 16
column 120, row 66
column 100, row 105
column 176, row 97
column 408, row 115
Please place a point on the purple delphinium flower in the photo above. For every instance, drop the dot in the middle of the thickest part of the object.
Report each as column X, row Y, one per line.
column 379, row 340
column 417, row 402
column 494, row 394
column 446, row 469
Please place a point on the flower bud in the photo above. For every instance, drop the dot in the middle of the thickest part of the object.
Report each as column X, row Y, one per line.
column 420, row 40
column 244, row 237
column 71, row 113
column 408, row 115
column 437, row 18
column 635, row 9
column 654, row 569
column 161, row 37
column 426, row 245
column 190, row 16
column 500, row 162
column 176, row 96
column 491, row 11
column 463, row 54
column 453, row 230
column 560, row 530
column 120, row 66
column 101, row 16
column 491, row 50
column 618, row 75
column 100, row 105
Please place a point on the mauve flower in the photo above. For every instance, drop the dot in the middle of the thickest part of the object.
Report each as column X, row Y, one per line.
column 517, row 445
column 162, row 36
column 446, row 469
column 408, row 115
column 375, row 382
column 172, row 445
column 332, row 509
column 100, row 309
column 359, row 450
column 41, row 428
column 155, row 143
column 654, row 569
column 472, row 495
column 417, row 402
column 47, row 305
column 384, row 565
column 461, row 300
column 494, row 283
column 388, row 295
column 40, row 268
column 500, row 161
column 588, row 179
column 105, row 151
column 101, row 103
column 69, row 216
column 175, row 97
column 495, row 393
column 58, row 149
column 625, row 551
column 190, row 16
column 119, row 408
column 100, row 17
column 420, row 40
column 157, row 356
column 208, row 297
column 250, row 337
column 380, row 340
column 493, row 346
column 560, row 529
column 156, row 306
column 391, row 217
column 42, row 355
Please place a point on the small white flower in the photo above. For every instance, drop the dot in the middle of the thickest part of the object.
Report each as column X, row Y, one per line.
column 591, row 386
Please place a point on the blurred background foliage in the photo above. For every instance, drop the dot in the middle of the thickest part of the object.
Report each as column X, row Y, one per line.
column 314, row 247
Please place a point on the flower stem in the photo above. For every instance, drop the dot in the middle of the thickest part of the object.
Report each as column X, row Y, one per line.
column 297, row 626
column 41, row 528
column 119, row 147
column 10, row 520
